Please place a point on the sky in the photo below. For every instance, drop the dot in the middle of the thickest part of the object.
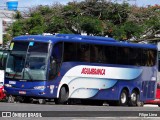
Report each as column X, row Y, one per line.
column 30, row 3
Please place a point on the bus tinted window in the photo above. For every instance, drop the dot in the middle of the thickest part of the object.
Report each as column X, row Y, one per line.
column 70, row 51
column 19, row 46
column 39, row 47
column 83, row 52
column 109, row 54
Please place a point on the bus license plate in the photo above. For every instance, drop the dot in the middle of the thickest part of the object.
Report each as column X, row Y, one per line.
column 22, row 92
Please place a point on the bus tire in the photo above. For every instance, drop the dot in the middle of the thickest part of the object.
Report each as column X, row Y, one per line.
column 42, row 101
column 134, row 98
column 139, row 103
column 11, row 99
column 123, row 99
column 63, row 96
column 25, row 100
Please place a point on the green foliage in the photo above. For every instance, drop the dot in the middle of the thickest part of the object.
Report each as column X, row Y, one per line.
column 43, row 10
column 94, row 17
column 91, row 25
column 17, row 28
column 6, row 38
column 56, row 25
column 127, row 30
column 18, row 15
column 36, row 23
column 33, row 25
column 154, row 22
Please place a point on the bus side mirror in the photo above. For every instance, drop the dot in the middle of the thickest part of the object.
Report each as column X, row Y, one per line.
column 1, row 65
column 53, row 68
column 3, row 59
column 3, row 62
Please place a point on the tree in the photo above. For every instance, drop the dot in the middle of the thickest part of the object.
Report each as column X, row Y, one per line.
column 127, row 30
column 149, row 20
column 91, row 25
column 18, row 15
column 56, row 25
column 6, row 38
column 17, row 28
column 94, row 17
column 36, row 23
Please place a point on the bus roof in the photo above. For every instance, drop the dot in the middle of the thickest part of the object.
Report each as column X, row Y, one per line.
column 81, row 38
column 74, row 36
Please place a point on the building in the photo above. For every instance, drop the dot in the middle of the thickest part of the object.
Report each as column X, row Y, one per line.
column 6, row 19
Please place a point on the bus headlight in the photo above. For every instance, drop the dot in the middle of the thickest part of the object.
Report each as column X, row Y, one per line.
column 39, row 87
column 7, row 85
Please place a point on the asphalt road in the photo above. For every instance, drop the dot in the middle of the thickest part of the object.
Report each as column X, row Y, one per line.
column 76, row 112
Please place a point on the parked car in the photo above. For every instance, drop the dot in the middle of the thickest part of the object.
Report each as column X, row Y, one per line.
column 2, row 94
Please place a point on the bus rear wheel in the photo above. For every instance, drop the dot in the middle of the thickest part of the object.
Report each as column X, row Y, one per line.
column 123, row 99
column 134, row 98
column 139, row 103
column 63, row 96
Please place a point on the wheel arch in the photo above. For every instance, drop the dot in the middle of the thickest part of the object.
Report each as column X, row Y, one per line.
column 135, row 89
column 123, row 96
column 124, row 88
column 66, row 87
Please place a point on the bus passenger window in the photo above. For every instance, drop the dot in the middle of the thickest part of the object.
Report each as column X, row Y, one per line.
column 70, row 53
column 111, row 54
column 94, row 53
column 150, row 56
column 84, row 53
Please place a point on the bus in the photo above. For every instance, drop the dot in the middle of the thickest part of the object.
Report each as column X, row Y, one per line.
column 68, row 67
column 3, row 57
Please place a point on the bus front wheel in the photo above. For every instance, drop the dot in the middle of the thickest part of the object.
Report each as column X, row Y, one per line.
column 11, row 99
column 63, row 96
column 123, row 100
column 42, row 101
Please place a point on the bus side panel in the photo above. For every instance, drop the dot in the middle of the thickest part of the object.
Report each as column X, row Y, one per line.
column 114, row 92
column 80, row 84
column 151, row 89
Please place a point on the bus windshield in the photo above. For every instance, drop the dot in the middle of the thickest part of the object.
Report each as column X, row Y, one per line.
column 27, row 61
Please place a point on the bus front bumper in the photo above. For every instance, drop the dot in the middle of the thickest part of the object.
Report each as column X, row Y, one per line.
column 27, row 92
